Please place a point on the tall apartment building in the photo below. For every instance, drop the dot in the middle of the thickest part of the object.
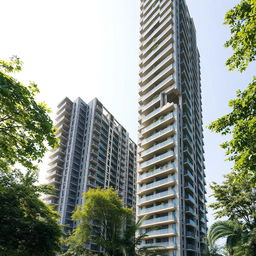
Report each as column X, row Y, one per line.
column 95, row 151
column 171, row 178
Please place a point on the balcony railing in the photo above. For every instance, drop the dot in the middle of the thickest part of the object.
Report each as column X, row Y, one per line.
column 158, row 183
column 157, row 220
column 157, row 208
column 158, row 134
column 158, row 158
column 157, row 195
column 157, row 171
column 158, row 146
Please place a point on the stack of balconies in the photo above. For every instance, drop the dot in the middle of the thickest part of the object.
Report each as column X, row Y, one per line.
column 156, row 189
column 57, row 156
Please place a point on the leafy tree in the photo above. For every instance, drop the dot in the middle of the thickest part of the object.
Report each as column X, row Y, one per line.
column 242, row 22
column 235, row 200
column 25, row 126
column 101, row 220
column 241, row 124
column 131, row 243
column 236, row 196
column 239, row 240
column 27, row 226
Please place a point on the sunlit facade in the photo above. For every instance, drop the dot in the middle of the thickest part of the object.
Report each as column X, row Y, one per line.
column 94, row 151
column 171, row 178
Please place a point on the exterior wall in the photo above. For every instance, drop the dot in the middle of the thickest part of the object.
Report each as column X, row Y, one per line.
column 95, row 151
column 171, row 179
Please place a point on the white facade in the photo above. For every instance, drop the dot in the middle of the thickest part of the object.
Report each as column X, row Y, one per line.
column 170, row 179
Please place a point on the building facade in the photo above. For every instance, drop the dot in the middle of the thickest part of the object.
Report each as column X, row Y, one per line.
column 171, row 178
column 94, row 151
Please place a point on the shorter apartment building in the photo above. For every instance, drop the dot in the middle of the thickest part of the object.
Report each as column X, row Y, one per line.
column 94, row 151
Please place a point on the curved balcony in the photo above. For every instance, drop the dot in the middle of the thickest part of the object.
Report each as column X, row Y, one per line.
column 167, row 82
column 155, row 148
column 157, row 208
column 146, row 119
column 160, row 220
column 170, row 193
column 158, row 135
column 157, row 159
column 160, row 232
column 154, row 172
column 162, row 120
column 159, row 183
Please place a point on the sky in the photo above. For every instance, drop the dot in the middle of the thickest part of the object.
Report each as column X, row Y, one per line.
column 87, row 49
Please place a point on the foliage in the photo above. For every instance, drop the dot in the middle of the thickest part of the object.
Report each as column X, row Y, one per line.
column 131, row 243
column 25, row 126
column 214, row 250
column 101, row 221
column 235, row 200
column 27, row 226
column 104, row 221
column 241, row 124
column 242, row 22
column 239, row 240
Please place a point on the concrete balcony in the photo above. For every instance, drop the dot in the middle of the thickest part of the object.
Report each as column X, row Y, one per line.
column 161, row 220
column 161, row 29
column 160, row 146
column 156, row 50
column 63, row 120
column 54, row 174
column 191, row 222
column 190, row 198
column 170, row 167
column 188, row 175
column 170, row 193
column 160, row 183
column 168, row 80
column 162, row 120
column 191, row 247
column 58, row 151
column 53, row 181
column 157, row 113
column 161, row 232
column 164, row 133
column 159, row 246
column 157, row 209
column 191, row 234
column 56, row 166
column 169, row 155
column 189, row 187
column 57, row 159
column 149, row 13
column 152, row 103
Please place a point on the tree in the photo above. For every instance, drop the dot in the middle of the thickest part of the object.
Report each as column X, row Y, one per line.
column 241, row 124
column 131, row 242
column 28, row 227
column 25, row 126
column 239, row 240
column 242, row 22
column 235, row 200
column 104, row 221
column 101, row 220
column 231, row 230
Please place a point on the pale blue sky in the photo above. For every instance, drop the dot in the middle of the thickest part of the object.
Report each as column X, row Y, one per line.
column 89, row 48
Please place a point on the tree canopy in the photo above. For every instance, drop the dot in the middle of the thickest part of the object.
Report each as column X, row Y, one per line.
column 101, row 220
column 236, row 196
column 242, row 22
column 27, row 226
column 240, row 123
column 25, row 126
